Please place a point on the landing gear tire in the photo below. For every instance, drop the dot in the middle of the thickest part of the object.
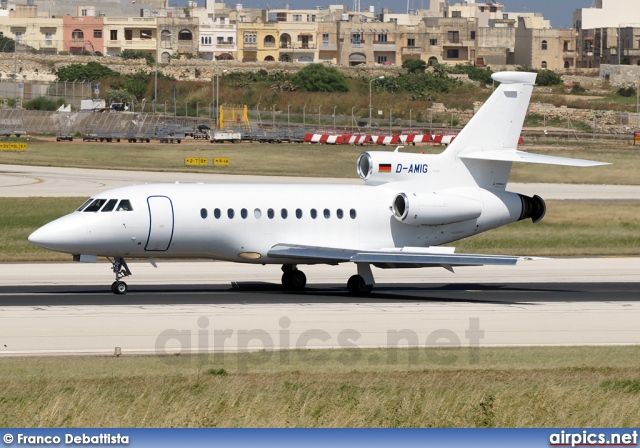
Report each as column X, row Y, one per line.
column 294, row 280
column 357, row 286
column 119, row 287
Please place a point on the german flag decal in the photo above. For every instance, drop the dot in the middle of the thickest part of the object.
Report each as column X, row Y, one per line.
column 384, row 168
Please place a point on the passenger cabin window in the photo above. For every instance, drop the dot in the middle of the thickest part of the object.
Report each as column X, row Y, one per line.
column 298, row 213
column 216, row 213
column 314, row 213
column 110, row 205
column 283, row 213
column 203, row 213
column 95, row 205
column 230, row 213
column 327, row 213
column 270, row 213
column 352, row 213
column 257, row 213
column 124, row 206
column 339, row 213
column 244, row 213
column 87, row 202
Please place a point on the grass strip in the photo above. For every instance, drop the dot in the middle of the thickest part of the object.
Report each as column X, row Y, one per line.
column 504, row 387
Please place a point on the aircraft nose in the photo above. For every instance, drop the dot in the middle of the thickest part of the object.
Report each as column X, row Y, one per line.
column 67, row 234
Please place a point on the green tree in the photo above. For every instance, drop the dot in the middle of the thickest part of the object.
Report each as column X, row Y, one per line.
column 7, row 45
column 480, row 74
column 545, row 77
column 93, row 71
column 320, row 78
column 119, row 96
column 414, row 65
column 136, row 84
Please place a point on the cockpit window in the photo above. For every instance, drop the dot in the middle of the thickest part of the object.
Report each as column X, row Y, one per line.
column 84, row 205
column 95, row 205
column 124, row 206
column 110, row 205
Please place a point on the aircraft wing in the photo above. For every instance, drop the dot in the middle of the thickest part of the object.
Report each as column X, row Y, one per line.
column 391, row 258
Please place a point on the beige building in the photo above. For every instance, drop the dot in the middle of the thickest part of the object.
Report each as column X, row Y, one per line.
column 544, row 48
column 41, row 34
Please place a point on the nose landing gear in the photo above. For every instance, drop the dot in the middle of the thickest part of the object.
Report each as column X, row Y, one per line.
column 120, row 268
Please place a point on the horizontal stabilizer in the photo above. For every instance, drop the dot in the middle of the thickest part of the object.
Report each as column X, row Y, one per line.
column 521, row 156
column 387, row 259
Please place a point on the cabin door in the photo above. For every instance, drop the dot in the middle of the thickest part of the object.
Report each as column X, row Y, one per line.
column 160, row 223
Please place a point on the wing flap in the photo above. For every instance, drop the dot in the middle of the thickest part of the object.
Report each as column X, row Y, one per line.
column 522, row 156
column 399, row 258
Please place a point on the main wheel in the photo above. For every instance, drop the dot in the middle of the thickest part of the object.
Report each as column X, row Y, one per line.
column 357, row 286
column 294, row 280
column 119, row 287
column 298, row 280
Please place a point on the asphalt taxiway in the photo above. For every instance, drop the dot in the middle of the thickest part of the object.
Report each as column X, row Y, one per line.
column 175, row 309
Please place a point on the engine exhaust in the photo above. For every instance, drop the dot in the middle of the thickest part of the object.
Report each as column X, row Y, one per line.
column 533, row 208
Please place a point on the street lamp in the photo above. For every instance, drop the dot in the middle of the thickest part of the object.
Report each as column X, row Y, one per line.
column 288, row 116
column 210, row 110
column 410, row 111
column 15, row 64
column 390, row 117
column 197, row 110
column 352, row 119
column 319, row 107
column 273, row 116
column 165, row 107
column 370, row 84
column 218, row 96
column 334, row 118
column 304, row 120
column 155, row 85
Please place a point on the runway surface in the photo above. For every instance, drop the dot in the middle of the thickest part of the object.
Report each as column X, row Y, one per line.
column 32, row 181
column 242, row 308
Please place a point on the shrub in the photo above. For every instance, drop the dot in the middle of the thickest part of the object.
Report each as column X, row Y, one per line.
column 577, row 89
column 414, row 65
column 545, row 77
column 480, row 74
column 130, row 54
column 626, row 91
column 82, row 72
column 43, row 103
column 320, row 78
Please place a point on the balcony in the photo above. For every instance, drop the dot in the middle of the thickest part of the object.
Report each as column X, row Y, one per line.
column 631, row 51
column 328, row 47
column 568, row 54
column 411, row 50
column 298, row 47
column 386, row 46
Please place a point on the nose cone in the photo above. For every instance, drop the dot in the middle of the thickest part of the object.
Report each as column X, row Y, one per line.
column 67, row 234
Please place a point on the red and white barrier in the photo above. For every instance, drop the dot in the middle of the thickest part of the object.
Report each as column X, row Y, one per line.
column 385, row 139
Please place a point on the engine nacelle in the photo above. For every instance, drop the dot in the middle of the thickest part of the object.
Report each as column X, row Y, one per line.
column 435, row 208
column 378, row 167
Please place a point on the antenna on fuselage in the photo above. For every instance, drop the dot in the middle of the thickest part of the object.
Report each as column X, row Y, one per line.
column 398, row 148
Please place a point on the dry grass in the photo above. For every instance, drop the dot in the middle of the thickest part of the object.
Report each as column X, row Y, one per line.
column 312, row 160
column 508, row 387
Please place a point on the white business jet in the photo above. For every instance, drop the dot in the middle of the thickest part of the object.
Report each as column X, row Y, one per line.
column 409, row 205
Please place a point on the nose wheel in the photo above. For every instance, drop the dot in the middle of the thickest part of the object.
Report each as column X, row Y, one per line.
column 121, row 270
column 119, row 287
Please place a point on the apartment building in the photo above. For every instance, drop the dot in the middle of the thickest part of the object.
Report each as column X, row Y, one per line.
column 129, row 33
column 607, row 33
column 82, row 34
column 41, row 34
column 544, row 48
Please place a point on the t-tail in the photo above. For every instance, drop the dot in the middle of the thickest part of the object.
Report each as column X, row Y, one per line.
column 487, row 145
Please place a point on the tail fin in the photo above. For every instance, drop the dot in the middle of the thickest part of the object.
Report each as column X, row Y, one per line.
column 498, row 123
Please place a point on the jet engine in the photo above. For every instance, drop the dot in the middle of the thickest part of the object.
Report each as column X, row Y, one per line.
column 434, row 209
column 533, row 208
column 378, row 167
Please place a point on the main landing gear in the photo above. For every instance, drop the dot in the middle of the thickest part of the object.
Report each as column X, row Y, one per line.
column 293, row 279
column 120, row 268
column 358, row 285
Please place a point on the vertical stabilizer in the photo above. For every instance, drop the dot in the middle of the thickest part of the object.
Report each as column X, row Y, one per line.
column 498, row 123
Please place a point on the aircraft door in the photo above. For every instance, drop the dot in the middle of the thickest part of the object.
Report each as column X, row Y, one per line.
column 160, row 223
